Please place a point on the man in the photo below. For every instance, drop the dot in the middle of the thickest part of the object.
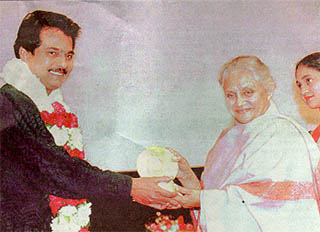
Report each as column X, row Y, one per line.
column 33, row 166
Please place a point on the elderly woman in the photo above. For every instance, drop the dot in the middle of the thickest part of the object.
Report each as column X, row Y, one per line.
column 259, row 174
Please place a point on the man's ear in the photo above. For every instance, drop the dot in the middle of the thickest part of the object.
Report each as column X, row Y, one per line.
column 24, row 54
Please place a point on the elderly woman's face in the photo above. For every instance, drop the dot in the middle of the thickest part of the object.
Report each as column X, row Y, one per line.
column 246, row 98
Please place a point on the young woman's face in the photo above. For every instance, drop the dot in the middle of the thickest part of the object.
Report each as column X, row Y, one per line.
column 308, row 82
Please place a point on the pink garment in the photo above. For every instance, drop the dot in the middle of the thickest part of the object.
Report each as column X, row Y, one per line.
column 222, row 157
column 220, row 164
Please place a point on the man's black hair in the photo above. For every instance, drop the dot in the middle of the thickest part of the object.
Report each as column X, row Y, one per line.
column 28, row 35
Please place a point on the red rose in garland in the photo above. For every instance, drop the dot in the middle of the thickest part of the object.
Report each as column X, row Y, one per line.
column 64, row 127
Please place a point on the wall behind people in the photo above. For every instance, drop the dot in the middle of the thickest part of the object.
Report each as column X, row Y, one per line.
column 145, row 72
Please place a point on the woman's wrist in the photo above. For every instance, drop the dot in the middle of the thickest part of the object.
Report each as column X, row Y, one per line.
column 190, row 181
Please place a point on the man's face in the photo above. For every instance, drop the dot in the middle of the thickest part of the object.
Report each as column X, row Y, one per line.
column 246, row 98
column 52, row 61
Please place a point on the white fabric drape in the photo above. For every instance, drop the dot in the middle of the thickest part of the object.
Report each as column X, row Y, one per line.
column 259, row 177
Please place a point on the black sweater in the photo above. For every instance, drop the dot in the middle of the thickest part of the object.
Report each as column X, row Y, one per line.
column 33, row 166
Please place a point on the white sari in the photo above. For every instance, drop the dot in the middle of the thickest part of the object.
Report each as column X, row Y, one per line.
column 260, row 176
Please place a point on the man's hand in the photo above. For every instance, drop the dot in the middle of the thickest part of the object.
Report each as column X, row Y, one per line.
column 188, row 198
column 146, row 191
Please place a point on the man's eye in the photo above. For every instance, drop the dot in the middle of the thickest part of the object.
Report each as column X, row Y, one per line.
column 69, row 57
column 230, row 95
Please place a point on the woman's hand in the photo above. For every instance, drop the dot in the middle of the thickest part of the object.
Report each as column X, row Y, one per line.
column 188, row 198
column 184, row 168
column 185, row 174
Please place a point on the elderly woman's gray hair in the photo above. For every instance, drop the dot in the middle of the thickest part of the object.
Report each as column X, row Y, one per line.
column 252, row 64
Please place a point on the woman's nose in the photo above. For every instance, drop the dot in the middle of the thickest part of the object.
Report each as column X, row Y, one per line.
column 241, row 101
column 304, row 90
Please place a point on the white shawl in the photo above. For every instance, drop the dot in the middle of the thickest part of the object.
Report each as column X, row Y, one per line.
column 259, row 177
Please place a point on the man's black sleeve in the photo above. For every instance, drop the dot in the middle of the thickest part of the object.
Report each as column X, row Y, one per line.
column 28, row 146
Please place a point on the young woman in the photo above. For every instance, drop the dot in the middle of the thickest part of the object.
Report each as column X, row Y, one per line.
column 308, row 82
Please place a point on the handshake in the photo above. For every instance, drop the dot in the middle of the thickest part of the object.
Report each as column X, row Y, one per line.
column 158, row 168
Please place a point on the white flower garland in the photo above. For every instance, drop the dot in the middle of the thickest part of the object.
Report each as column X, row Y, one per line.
column 71, row 218
column 17, row 73
column 70, row 136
